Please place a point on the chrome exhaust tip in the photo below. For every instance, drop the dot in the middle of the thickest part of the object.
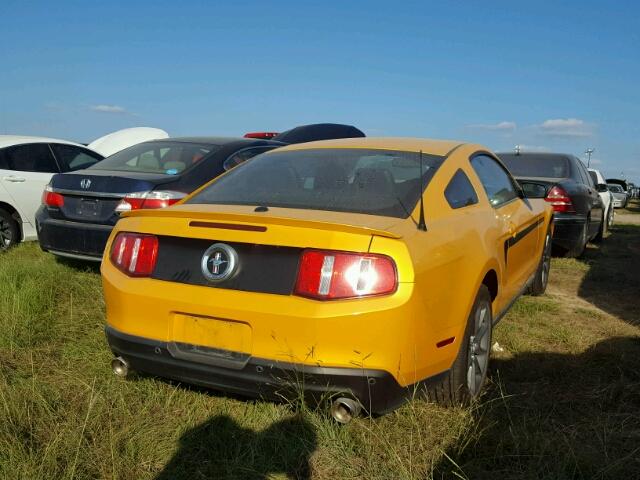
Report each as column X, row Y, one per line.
column 120, row 367
column 344, row 409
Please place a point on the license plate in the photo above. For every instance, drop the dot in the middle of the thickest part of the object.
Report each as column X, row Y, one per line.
column 88, row 208
column 212, row 333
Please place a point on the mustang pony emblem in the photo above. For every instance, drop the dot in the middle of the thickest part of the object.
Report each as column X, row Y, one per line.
column 219, row 262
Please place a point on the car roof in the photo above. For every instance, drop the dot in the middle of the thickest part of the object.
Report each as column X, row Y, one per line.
column 11, row 140
column 427, row 146
column 534, row 154
column 216, row 140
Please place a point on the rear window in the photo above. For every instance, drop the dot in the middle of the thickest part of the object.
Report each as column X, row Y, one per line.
column 375, row 182
column 170, row 158
column 548, row 166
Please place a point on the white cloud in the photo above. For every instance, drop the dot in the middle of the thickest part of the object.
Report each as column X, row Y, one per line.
column 566, row 127
column 102, row 108
column 501, row 126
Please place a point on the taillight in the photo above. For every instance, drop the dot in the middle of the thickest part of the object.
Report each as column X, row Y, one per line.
column 329, row 275
column 134, row 253
column 560, row 200
column 51, row 198
column 153, row 199
column 262, row 135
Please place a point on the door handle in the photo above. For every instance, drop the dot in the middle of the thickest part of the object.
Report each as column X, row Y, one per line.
column 14, row 179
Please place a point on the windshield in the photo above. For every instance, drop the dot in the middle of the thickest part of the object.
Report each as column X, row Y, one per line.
column 170, row 158
column 375, row 182
column 616, row 188
column 547, row 166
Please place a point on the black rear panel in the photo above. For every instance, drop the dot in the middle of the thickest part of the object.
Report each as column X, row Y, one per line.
column 262, row 268
column 90, row 209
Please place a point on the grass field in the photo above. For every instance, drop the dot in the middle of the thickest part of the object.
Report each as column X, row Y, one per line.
column 563, row 400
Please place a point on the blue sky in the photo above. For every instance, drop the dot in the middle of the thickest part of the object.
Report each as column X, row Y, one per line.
column 558, row 76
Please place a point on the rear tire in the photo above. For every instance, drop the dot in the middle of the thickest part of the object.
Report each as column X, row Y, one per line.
column 578, row 250
column 540, row 281
column 602, row 231
column 467, row 376
column 9, row 230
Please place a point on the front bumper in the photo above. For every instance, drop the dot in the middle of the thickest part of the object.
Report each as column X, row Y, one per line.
column 86, row 241
column 568, row 229
column 376, row 390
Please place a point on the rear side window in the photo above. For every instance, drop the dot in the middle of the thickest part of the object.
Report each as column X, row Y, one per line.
column 33, row 157
column 495, row 180
column 74, row 158
column 586, row 179
column 460, row 193
column 242, row 156
column 368, row 181
column 170, row 158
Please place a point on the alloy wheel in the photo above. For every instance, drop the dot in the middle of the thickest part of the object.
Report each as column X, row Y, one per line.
column 6, row 234
column 479, row 347
column 546, row 260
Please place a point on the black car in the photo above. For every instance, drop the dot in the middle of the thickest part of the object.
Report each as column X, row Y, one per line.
column 569, row 189
column 80, row 208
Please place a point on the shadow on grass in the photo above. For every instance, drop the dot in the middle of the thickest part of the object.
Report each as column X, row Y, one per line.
column 613, row 280
column 633, row 206
column 220, row 449
column 80, row 265
column 558, row 416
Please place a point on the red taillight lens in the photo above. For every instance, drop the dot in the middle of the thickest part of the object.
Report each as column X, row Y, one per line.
column 153, row 199
column 262, row 135
column 330, row 275
column 51, row 198
column 135, row 254
column 560, row 200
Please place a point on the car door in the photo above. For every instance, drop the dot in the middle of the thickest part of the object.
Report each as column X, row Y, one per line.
column 28, row 170
column 520, row 229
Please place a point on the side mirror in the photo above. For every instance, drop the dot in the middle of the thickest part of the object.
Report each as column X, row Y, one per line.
column 602, row 187
column 533, row 189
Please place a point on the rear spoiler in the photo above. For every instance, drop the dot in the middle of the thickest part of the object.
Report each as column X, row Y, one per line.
column 258, row 221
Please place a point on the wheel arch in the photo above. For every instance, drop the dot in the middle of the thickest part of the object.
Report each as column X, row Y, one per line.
column 16, row 216
column 490, row 280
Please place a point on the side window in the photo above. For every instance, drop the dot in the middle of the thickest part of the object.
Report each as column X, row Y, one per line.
column 33, row 157
column 242, row 156
column 583, row 171
column 460, row 193
column 74, row 158
column 495, row 180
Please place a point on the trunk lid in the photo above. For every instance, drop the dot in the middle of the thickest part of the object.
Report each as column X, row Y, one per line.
column 268, row 244
column 92, row 195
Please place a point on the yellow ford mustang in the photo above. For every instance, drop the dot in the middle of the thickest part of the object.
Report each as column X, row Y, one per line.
column 320, row 267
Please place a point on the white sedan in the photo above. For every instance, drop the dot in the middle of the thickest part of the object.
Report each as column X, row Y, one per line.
column 28, row 163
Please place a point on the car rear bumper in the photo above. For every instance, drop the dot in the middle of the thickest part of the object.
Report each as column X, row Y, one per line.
column 568, row 229
column 376, row 390
column 85, row 241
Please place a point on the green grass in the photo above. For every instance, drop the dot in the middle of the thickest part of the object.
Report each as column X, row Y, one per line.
column 563, row 399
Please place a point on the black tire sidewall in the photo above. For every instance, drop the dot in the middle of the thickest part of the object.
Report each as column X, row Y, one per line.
column 537, row 287
column 13, row 224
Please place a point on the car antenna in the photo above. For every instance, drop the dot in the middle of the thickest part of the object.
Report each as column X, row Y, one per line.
column 421, row 225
